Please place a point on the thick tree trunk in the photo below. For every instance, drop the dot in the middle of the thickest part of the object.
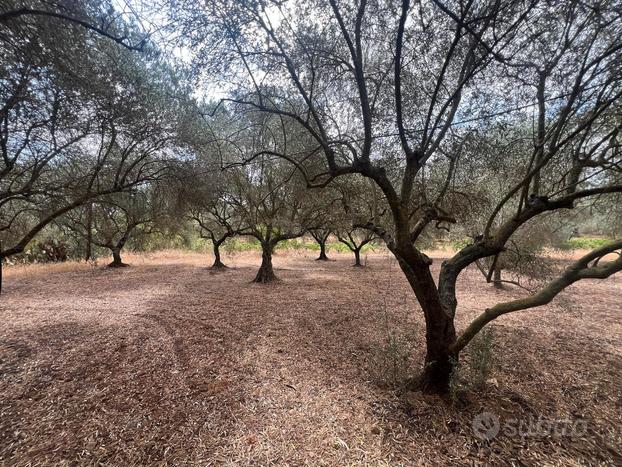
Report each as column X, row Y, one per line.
column 357, row 257
column 496, row 278
column 322, row 256
column 116, row 258
column 218, row 264
column 1, row 264
column 265, row 273
column 439, row 362
column 440, row 331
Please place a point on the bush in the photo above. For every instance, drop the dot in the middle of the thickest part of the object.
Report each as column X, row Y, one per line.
column 295, row 244
column 584, row 243
column 391, row 362
column 477, row 366
column 48, row 250
column 239, row 244
column 458, row 245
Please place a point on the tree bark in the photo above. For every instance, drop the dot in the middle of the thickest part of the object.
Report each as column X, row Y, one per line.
column 116, row 258
column 440, row 331
column 218, row 264
column 321, row 236
column 496, row 278
column 89, row 233
column 265, row 273
column 1, row 264
column 322, row 256
column 357, row 257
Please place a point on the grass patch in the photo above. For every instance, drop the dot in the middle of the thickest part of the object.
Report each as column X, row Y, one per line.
column 584, row 243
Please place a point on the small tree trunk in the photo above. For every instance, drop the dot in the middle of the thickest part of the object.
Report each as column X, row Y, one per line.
column 357, row 258
column 496, row 278
column 89, row 251
column 218, row 264
column 322, row 256
column 265, row 273
column 89, row 233
column 116, row 258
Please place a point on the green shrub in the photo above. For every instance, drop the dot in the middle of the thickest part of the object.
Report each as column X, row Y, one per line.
column 475, row 369
column 458, row 245
column 481, row 356
column 584, row 243
column 238, row 245
column 390, row 362
column 295, row 244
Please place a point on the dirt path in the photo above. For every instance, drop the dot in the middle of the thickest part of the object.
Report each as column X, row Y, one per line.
column 167, row 363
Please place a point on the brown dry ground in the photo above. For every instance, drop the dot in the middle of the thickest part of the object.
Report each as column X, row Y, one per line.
column 167, row 363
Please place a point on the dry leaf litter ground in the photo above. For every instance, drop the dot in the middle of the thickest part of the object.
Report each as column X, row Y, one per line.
column 168, row 363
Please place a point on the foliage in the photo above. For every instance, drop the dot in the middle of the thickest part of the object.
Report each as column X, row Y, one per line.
column 477, row 368
column 584, row 243
column 390, row 361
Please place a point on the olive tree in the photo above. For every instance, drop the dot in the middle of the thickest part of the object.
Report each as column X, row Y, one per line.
column 326, row 205
column 70, row 134
column 270, row 199
column 210, row 204
column 96, row 16
column 112, row 220
column 388, row 90
column 360, row 205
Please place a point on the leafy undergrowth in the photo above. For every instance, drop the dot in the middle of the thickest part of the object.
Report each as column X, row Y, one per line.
column 167, row 363
column 585, row 243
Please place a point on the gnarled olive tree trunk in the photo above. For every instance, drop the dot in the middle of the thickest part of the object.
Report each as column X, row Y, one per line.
column 117, row 262
column 218, row 264
column 265, row 273
column 440, row 331
column 354, row 245
column 357, row 257
column 321, row 236
column 116, row 248
column 323, row 256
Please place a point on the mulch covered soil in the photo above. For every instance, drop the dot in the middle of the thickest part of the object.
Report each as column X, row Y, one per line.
column 169, row 363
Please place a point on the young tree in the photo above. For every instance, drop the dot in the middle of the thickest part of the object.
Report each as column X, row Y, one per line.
column 325, row 204
column 269, row 195
column 203, row 189
column 389, row 90
column 217, row 223
column 212, row 207
column 361, row 204
column 355, row 239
